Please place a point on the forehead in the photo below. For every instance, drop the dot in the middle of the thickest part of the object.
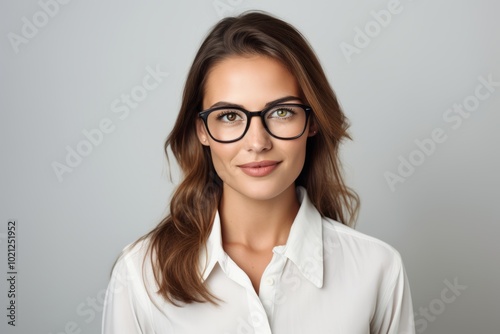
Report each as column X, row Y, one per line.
column 250, row 81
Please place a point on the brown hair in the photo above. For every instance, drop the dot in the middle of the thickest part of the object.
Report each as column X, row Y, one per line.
column 175, row 244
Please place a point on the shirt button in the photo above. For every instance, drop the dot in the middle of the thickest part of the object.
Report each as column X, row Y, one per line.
column 269, row 281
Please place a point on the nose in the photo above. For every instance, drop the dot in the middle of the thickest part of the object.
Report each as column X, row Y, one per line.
column 257, row 138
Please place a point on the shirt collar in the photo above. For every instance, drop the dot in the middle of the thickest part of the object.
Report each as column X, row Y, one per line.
column 213, row 252
column 304, row 246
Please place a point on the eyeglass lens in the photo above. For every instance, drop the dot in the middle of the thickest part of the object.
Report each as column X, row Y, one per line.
column 284, row 121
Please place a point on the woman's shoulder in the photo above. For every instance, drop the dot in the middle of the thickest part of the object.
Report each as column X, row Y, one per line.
column 133, row 256
column 358, row 244
column 133, row 268
column 132, row 285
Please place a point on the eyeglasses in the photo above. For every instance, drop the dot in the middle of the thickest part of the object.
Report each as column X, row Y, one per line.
column 282, row 121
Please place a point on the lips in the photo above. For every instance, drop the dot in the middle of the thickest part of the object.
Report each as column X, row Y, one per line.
column 259, row 168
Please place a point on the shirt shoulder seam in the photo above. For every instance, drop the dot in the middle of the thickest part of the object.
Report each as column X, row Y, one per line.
column 346, row 230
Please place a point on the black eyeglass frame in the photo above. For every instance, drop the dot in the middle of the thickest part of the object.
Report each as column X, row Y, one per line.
column 204, row 116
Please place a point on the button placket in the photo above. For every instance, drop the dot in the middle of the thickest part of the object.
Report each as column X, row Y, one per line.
column 257, row 316
column 269, row 283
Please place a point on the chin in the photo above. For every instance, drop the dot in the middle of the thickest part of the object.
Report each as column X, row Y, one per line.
column 262, row 191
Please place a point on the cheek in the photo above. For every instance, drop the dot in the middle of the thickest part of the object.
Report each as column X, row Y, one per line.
column 300, row 160
column 296, row 153
column 221, row 158
column 299, row 148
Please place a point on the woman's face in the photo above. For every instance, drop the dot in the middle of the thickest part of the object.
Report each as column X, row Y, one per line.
column 252, row 82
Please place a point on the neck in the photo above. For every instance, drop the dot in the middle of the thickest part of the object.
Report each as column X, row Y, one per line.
column 257, row 224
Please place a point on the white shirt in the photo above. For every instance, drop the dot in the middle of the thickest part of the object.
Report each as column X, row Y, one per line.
column 328, row 278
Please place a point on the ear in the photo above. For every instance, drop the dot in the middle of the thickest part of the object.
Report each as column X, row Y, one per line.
column 201, row 131
column 313, row 128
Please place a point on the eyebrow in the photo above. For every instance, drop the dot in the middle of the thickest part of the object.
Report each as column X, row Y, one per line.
column 280, row 100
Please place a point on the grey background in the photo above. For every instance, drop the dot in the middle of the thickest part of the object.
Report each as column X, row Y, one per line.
column 443, row 218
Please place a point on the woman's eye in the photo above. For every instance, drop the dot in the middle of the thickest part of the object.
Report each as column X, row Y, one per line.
column 281, row 113
column 231, row 117
column 228, row 117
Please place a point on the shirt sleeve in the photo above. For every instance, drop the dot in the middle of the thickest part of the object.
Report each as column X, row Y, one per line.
column 121, row 313
column 394, row 313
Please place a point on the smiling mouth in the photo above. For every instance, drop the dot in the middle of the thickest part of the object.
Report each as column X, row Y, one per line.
column 259, row 168
column 259, row 164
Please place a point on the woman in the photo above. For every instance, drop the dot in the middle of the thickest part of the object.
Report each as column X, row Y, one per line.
column 258, row 237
